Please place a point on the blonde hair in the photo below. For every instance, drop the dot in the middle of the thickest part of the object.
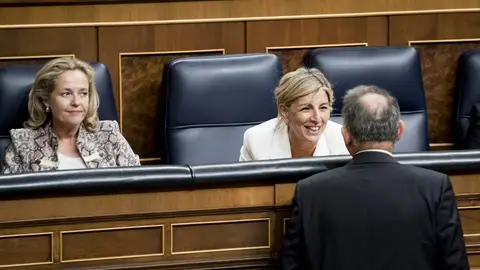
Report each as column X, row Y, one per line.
column 302, row 82
column 44, row 85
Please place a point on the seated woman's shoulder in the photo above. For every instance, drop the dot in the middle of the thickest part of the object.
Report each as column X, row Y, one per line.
column 334, row 131
column 108, row 125
column 334, row 125
column 263, row 128
column 23, row 133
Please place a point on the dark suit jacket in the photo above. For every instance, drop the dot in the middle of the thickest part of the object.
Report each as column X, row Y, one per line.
column 472, row 140
column 374, row 213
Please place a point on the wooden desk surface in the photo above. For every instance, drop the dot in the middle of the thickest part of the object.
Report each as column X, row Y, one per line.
column 192, row 229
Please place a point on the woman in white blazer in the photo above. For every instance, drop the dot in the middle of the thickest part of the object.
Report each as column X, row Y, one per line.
column 303, row 128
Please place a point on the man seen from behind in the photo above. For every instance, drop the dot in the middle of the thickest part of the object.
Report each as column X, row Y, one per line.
column 374, row 213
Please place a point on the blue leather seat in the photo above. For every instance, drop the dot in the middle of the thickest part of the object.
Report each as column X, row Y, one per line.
column 212, row 100
column 15, row 84
column 396, row 69
column 467, row 94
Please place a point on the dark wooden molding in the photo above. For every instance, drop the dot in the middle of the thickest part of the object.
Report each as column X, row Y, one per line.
column 251, row 262
column 136, row 216
column 20, row 3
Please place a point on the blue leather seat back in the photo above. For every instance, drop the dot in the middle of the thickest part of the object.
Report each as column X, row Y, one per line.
column 213, row 100
column 396, row 69
column 467, row 93
column 15, row 84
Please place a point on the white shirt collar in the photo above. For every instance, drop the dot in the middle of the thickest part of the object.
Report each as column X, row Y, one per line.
column 375, row 150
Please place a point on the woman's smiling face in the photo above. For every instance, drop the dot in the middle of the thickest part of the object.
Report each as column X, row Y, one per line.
column 307, row 117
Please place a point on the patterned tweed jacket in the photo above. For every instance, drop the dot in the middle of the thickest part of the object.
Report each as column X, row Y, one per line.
column 36, row 150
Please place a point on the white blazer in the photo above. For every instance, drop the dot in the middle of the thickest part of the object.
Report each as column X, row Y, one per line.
column 266, row 141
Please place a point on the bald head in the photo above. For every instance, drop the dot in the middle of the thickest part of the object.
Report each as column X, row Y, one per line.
column 371, row 114
column 374, row 104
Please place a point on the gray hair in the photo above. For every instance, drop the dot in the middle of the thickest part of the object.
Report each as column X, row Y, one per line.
column 371, row 114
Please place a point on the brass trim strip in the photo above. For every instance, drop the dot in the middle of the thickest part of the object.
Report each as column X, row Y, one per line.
column 245, row 19
column 440, row 144
column 35, row 57
column 412, row 42
column 268, row 49
column 460, row 208
column 112, row 229
column 150, row 159
column 467, row 196
column 220, row 249
column 35, row 263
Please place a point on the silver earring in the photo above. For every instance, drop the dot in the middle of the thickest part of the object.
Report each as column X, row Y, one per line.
column 47, row 109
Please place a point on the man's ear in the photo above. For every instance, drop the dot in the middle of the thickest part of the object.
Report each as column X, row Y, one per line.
column 283, row 112
column 400, row 129
column 347, row 137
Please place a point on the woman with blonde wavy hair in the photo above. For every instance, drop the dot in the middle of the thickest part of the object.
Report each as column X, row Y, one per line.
column 63, row 130
column 303, row 128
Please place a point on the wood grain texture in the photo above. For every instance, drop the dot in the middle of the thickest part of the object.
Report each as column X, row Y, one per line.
column 440, row 39
column 144, row 100
column 23, row 3
column 298, row 37
column 470, row 219
column 238, row 235
column 38, row 249
column 312, row 32
column 143, row 74
column 197, row 235
column 112, row 243
column 212, row 9
column 31, row 61
column 293, row 58
column 439, row 69
column 172, row 201
column 80, row 41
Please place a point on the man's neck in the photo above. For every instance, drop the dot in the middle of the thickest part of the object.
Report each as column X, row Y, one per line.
column 369, row 146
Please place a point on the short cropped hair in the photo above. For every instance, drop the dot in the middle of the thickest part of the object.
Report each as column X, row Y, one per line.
column 44, row 85
column 302, row 82
column 370, row 122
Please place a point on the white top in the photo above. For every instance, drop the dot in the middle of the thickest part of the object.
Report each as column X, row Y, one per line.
column 69, row 163
column 266, row 141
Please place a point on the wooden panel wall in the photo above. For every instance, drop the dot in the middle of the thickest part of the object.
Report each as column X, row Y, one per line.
column 137, row 55
column 179, row 229
column 22, row 46
column 440, row 40
column 297, row 37
column 169, row 10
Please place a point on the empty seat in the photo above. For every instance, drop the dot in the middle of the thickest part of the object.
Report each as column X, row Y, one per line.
column 396, row 69
column 212, row 100
column 15, row 84
column 467, row 94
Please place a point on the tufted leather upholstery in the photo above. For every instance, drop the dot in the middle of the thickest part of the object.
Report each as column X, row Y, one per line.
column 212, row 100
column 396, row 69
column 15, row 84
column 467, row 93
